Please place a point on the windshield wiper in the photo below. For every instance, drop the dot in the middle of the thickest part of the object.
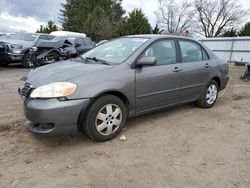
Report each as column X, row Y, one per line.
column 84, row 59
column 98, row 60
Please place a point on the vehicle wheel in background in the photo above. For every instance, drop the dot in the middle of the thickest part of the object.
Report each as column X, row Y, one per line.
column 105, row 118
column 27, row 61
column 209, row 95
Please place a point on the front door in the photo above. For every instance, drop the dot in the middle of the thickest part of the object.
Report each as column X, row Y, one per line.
column 159, row 85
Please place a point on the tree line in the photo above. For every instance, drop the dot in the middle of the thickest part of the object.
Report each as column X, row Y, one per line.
column 105, row 19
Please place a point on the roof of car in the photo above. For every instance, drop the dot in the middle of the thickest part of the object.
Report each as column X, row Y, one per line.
column 155, row 36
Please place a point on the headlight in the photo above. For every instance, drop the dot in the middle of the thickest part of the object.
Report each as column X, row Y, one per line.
column 54, row 90
column 16, row 48
column 33, row 49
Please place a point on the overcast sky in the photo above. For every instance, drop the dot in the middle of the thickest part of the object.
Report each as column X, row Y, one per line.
column 28, row 15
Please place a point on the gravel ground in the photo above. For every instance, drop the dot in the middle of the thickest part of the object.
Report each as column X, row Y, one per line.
column 180, row 147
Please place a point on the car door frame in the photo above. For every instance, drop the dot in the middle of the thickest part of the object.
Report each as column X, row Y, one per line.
column 192, row 92
column 178, row 62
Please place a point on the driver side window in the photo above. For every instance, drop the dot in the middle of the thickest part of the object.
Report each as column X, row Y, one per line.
column 164, row 51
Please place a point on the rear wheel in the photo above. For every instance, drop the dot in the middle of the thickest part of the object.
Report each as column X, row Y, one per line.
column 209, row 95
column 105, row 118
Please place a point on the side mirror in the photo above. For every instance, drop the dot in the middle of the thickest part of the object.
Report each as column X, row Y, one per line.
column 146, row 61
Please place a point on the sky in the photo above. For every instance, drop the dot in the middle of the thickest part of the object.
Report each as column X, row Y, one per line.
column 28, row 15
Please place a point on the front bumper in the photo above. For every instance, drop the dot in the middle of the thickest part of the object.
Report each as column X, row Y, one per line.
column 11, row 57
column 53, row 117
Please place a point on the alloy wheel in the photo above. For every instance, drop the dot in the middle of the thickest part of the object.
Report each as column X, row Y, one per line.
column 211, row 94
column 108, row 119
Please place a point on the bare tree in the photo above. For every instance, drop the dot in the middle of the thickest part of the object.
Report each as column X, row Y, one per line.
column 175, row 17
column 216, row 16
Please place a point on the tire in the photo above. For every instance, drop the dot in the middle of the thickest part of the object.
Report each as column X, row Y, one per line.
column 107, row 112
column 206, row 100
column 27, row 61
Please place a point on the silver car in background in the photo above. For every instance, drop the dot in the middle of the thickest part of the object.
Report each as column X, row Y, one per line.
column 120, row 79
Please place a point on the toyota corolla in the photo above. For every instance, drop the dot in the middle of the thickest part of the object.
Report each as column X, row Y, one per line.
column 120, row 79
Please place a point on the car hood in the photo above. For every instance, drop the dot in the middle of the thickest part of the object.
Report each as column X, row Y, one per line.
column 21, row 42
column 61, row 71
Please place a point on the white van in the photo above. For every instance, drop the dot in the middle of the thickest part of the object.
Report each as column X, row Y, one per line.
column 68, row 33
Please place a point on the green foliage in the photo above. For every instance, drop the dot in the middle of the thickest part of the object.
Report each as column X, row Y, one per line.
column 98, row 25
column 245, row 31
column 230, row 33
column 88, row 16
column 135, row 23
column 51, row 26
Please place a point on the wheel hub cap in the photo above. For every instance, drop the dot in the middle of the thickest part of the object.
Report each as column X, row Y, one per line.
column 108, row 119
column 211, row 94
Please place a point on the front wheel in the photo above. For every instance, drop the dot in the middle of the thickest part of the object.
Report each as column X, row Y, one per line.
column 209, row 95
column 105, row 118
column 28, row 61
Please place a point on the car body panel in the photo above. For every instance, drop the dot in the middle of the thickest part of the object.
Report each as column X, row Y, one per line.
column 64, row 115
column 157, row 86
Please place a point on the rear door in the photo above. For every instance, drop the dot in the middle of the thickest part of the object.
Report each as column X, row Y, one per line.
column 159, row 85
column 196, row 68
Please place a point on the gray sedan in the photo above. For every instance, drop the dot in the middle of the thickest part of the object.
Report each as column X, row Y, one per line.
column 120, row 79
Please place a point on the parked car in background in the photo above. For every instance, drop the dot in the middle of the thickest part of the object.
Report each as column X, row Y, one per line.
column 59, row 48
column 15, row 47
column 122, row 78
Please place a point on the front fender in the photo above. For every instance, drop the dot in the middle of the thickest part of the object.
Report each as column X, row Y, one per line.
column 108, row 80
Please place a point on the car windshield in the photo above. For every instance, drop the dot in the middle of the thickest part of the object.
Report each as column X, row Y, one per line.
column 25, row 37
column 115, row 51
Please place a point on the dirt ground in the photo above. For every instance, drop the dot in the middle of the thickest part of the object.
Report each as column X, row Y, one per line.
column 180, row 147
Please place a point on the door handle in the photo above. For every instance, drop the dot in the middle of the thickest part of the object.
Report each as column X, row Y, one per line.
column 207, row 65
column 176, row 69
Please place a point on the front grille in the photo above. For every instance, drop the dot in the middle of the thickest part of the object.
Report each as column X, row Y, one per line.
column 25, row 90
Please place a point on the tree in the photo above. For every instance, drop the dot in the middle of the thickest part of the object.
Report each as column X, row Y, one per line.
column 230, row 33
column 50, row 27
column 98, row 25
column 216, row 16
column 74, row 13
column 176, row 18
column 135, row 23
column 245, row 31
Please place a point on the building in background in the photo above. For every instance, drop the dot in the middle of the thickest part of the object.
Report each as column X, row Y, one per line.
column 232, row 49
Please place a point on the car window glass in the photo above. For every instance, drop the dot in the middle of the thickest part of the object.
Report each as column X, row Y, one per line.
column 190, row 51
column 164, row 51
column 43, row 37
column 87, row 42
column 116, row 51
column 204, row 55
column 80, row 41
